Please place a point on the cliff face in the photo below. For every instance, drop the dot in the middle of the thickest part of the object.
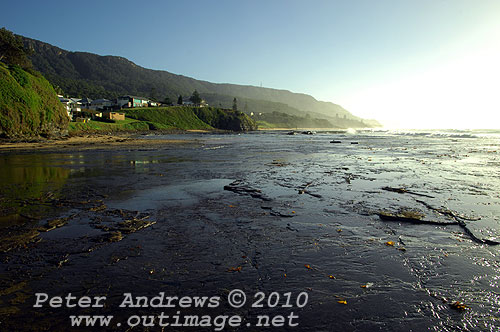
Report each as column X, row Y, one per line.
column 29, row 106
column 226, row 119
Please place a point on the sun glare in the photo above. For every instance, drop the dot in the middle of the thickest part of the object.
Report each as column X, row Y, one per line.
column 458, row 94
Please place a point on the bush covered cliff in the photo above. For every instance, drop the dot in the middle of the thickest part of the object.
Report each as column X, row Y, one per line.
column 29, row 106
column 183, row 117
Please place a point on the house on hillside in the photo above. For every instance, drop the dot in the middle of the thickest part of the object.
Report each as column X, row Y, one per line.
column 100, row 104
column 85, row 102
column 72, row 105
column 134, row 101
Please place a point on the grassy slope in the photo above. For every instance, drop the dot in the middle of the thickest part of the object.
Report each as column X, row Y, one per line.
column 95, row 126
column 168, row 117
column 173, row 117
column 28, row 104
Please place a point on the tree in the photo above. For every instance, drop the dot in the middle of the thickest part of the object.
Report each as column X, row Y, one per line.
column 235, row 104
column 179, row 100
column 167, row 101
column 195, row 98
column 12, row 50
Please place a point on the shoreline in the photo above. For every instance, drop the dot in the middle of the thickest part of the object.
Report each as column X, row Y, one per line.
column 86, row 142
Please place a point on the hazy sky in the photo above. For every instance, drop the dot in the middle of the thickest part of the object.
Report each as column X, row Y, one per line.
column 421, row 63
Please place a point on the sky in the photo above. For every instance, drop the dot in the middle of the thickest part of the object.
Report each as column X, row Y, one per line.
column 408, row 64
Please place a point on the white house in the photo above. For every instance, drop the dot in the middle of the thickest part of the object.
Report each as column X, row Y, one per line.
column 72, row 105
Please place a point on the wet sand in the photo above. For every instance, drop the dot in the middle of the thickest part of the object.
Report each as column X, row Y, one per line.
column 257, row 212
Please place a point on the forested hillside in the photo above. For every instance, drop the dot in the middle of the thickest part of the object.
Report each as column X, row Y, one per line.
column 82, row 74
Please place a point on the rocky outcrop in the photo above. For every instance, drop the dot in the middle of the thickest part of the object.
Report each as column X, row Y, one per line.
column 225, row 119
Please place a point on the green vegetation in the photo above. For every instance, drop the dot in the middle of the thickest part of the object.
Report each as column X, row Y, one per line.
column 225, row 119
column 28, row 104
column 195, row 97
column 183, row 117
column 175, row 117
column 12, row 50
column 120, row 125
column 235, row 104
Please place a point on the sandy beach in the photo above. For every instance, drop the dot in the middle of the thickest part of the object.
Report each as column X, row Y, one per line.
column 89, row 142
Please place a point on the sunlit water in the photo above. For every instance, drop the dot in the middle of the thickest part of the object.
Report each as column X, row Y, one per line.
column 320, row 209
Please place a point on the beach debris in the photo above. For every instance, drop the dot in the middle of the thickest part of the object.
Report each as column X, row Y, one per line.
column 278, row 163
column 390, row 243
column 303, row 190
column 307, row 266
column 282, row 214
column 98, row 208
column 133, row 225
column 342, row 301
column 367, row 285
column 405, row 191
column 63, row 261
column 55, row 223
column 458, row 306
column 335, row 141
column 114, row 236
column 354, row 142
column 308, row 132
column 234, row 269
column 331, row 277
column 15, row 239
